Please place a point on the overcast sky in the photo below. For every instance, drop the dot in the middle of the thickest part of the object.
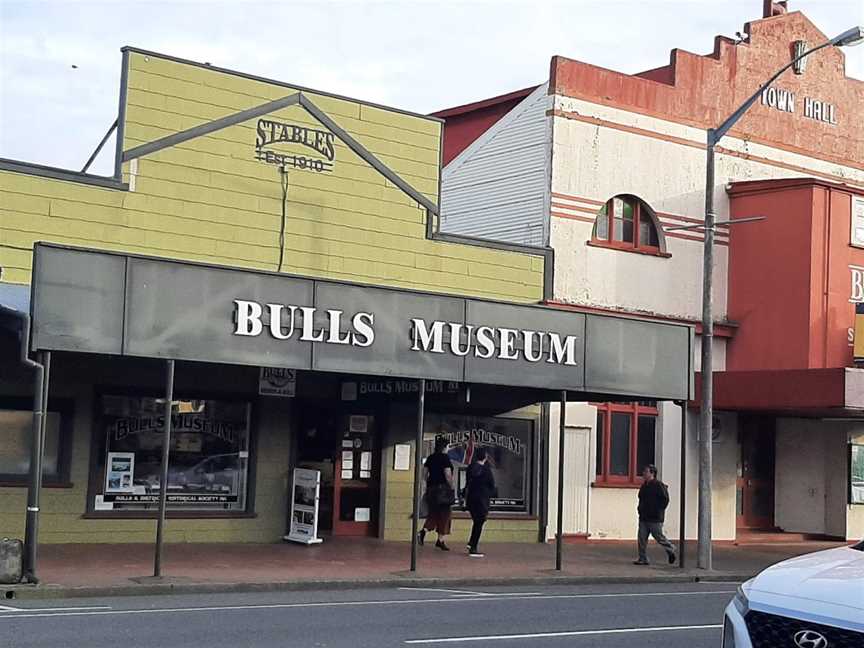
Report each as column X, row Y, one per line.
column 60, row 61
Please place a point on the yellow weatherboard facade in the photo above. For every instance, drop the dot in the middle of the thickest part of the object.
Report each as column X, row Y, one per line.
column 279, row 191
column 211, row 199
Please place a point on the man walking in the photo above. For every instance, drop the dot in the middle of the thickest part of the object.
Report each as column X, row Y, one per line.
column 479, row 490
column 653, row 500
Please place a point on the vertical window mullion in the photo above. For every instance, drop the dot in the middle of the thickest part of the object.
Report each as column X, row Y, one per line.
column 607, row 442
column 610, row 216
column 637, row 215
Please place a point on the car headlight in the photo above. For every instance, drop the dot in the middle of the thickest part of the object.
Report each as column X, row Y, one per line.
column 728, row 633
column 741, row 603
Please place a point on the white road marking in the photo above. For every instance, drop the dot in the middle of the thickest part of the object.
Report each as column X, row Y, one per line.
column 4, row 608
column 449, row 591
column 570, row 633
column 468, row 592
column 501, row 594
column 282, row 606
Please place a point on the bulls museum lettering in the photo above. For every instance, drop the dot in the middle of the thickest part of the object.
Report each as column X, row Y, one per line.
column 288, row 321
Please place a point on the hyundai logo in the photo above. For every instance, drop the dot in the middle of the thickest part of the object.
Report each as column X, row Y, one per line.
column 810, row 639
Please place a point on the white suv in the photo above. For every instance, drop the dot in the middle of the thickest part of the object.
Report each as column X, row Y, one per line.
column 813, row 601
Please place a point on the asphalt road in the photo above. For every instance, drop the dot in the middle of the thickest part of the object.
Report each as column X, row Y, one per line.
column 648, row 616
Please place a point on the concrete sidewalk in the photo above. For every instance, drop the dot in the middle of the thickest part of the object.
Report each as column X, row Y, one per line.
column 116, row 569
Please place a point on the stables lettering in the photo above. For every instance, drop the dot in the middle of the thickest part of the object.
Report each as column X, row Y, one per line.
column 272, row 132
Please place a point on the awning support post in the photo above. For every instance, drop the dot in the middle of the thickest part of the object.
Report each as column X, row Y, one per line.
column 163, row 483
column 682, row 510
column 418, row 446
column 559, row 536
column 37, row 452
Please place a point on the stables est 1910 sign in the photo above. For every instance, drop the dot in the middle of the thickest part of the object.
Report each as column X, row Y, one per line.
column 271, row 136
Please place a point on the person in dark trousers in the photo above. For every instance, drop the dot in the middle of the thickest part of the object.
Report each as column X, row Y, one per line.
column 479, row 489
column 653, row 500
column 440, row 496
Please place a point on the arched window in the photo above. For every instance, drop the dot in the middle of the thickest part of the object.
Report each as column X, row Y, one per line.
column 627, row 222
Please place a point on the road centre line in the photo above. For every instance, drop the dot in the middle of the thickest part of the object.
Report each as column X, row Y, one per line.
column 282, row 606
column 567, row 633
column 6, row 608
column 468, row 592
column 449, row 591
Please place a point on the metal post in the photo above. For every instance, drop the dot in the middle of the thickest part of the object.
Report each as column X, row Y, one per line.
column 40, row 401
column 682, row 508
column 418, row 446
column 163, row 484
column 707, row 409
column 559, row 536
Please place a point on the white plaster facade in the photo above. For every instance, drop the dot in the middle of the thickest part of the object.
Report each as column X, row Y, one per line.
column 598, row 152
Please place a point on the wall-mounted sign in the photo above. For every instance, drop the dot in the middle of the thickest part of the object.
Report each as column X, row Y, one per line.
column 371, row 388
column 272, row 136
column 165, row 309
column 454, row 338
column 275, row 381
column 858, row 337
column 857, row 284
column 856, row 236
column 787, row 101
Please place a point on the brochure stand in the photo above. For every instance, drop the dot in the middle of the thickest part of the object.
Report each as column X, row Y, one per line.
column 305, row 494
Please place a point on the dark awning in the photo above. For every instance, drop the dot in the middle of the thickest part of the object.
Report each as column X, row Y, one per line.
column 116, row 304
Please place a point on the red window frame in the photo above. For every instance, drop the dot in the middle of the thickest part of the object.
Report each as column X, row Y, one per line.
column 639, row 213
column 633, row 479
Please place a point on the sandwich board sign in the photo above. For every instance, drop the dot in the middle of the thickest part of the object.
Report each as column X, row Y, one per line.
column 305, row 494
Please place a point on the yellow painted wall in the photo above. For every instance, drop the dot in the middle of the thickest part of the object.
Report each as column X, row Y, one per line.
column 209, row 200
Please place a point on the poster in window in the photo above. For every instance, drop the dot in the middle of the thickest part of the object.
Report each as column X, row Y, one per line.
column 509, row 444
column 119, row 471
column 209, row 453
column 856, row 474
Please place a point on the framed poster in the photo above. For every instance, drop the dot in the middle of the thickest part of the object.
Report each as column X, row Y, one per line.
column 305, row 495
column 275, row 381
column 856, row 474
column 119, row 472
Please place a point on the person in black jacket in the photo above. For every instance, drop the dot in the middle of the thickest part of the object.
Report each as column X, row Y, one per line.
column 653, row 500
column 480, row 488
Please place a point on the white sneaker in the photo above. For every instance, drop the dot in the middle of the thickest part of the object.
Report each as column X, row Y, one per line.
column 476, row 554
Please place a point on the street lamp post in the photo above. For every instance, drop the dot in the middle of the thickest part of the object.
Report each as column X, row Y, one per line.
column 854, row 36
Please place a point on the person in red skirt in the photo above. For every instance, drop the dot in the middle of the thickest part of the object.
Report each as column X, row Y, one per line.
column 440, row 495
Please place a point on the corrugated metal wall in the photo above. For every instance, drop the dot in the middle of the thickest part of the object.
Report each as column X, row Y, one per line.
column 498, row 187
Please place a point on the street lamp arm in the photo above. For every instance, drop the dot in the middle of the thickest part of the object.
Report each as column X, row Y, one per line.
column 714, row 135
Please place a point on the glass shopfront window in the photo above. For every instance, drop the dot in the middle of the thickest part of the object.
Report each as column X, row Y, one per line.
column 208, row 463
column 509, row 443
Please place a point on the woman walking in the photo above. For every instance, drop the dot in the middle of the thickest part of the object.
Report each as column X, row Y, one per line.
column 439, row 494
column 480, row 489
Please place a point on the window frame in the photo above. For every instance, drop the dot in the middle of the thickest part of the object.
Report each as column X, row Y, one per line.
column 531, row 461
column 641, row 211
column 97, row 449
column 65, row 407
column 604, row 478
